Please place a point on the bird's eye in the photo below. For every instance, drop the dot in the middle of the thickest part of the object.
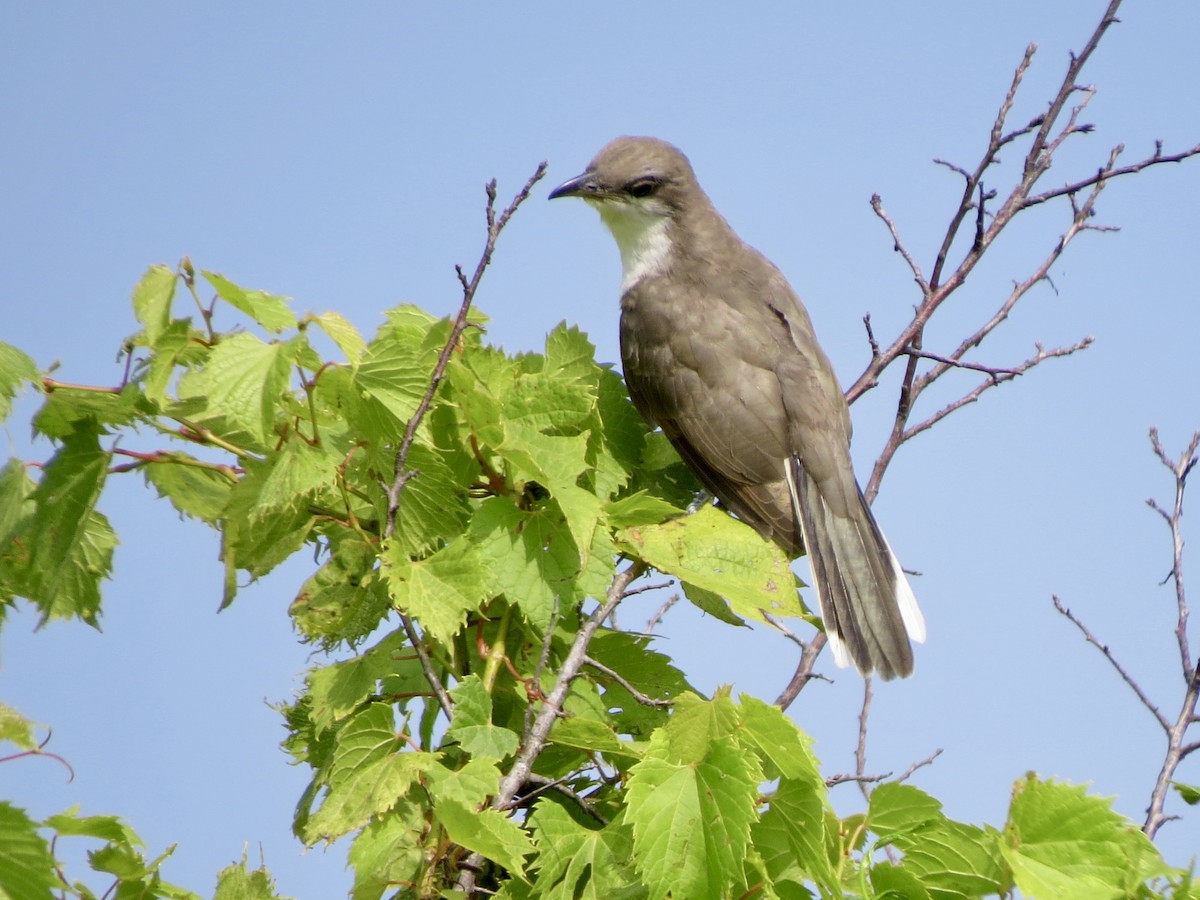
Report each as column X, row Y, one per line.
column 643, row 187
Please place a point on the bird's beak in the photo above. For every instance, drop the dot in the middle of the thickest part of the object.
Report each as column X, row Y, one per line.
column 584, row 185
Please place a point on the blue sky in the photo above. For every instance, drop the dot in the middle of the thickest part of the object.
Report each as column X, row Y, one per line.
column 337, row 155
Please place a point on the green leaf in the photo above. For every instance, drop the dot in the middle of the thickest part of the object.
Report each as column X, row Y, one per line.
column 893, row 882
column 68, row 409
column 389, row 851
column 949, row 858
column 649, row 672
column 797, row 836
column 592, row 736
column 194, row 490
column 459, row 797
column 717, row 553
column 67, row 543
column 528, row 555
column 103, row 828
column 239, row 388
column 1189, row 793
column 784, row 748
column 441, row 589
column 15, row 728
column 472, row 724
column 15, row 489
column 579, row 863
column 16, row 368
column 691, row 802
column 433, row 507
column 180, row 346
column 470, row 785
column 617, row 439
column 294, row 477
column 697, row 723
column 28, row 872
column 345, row 599
column 1062, row 843
column 570, row 354
column 268, row 310
column 713, row 604
column 237, row 882
column 640, row 508
column 369, row 774
column 398, row 363
column 152, row 298
column 486, row 831
column 345, row 335
column 898, row 809
column 337, row 689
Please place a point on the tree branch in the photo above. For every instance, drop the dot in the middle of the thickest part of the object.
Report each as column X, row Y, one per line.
column 1175, row 731
column 1108, row 654
column 535, row 739
column 402, row 474
column 1177, row 750
column 619, row 679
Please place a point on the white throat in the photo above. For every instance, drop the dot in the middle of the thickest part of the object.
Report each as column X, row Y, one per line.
column 641, row 233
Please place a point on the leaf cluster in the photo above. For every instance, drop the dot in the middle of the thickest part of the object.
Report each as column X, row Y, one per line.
column 530, row 478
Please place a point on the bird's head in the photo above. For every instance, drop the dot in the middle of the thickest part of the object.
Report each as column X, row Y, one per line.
column 639, row 185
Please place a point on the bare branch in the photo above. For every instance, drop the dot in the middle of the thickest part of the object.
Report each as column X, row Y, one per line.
column 557, row 785
column 1103, row 648
column 804, row 671
column 921, row 763
column 1177, row 748
column 860, row 749
column 950, row 362
column 898, row 245
column 402, row 474
column 620, row 679
column 495, row 226
column 662, row 610
column 535, row 739
column 1036, row 161
column 1108, row 174
column 997, row 378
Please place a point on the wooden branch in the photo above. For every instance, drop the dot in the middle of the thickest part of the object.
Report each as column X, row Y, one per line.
column 401, row 473
column 1177, row 748
column 1120, row 670
column 535, row 739
column 620, row 679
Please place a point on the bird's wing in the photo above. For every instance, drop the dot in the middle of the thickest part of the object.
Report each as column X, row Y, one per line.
column 703, row 371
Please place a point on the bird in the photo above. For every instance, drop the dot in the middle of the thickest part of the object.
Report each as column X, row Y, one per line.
column 719, row 353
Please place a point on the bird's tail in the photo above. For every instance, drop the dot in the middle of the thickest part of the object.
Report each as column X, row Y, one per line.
column 868, row 607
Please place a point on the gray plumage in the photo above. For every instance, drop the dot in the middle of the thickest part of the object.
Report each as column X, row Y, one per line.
column 719, row 353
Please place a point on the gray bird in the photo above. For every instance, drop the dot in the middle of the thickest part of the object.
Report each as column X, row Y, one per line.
column 720, row 354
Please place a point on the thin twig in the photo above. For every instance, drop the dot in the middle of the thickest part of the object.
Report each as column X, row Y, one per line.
column 402, row 474
column 921, row 763
column 1108, row 654
column 1102, row 175
column 860, row 749
column 543, row 659
column 898, row 245
column 1177, row 750
column 655, row 619
column 535, row 739
column 495, row 225
column 804, row 671
column 547, row 784
column 619, row 679
column 997, row 379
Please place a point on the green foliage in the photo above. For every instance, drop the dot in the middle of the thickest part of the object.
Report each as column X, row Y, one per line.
column 525, row 483
column 31, row 871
